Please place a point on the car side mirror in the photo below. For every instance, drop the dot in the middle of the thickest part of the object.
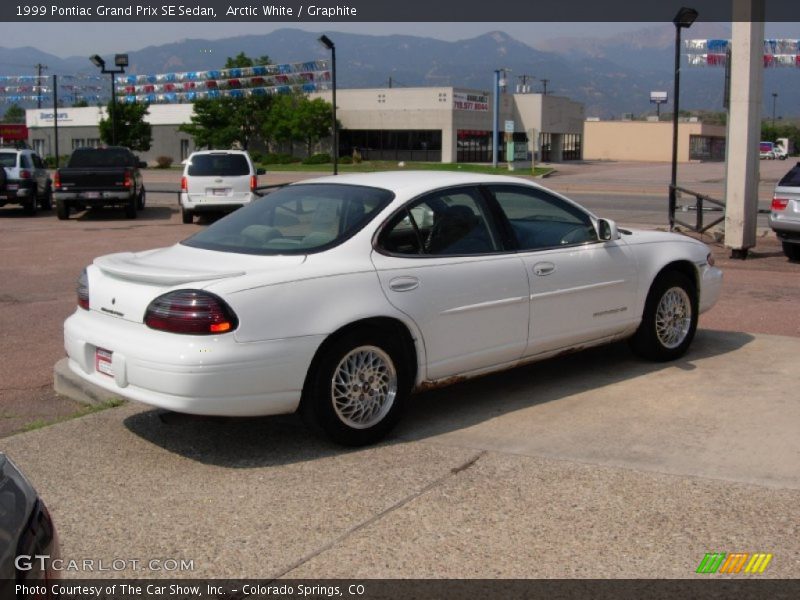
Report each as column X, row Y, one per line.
column 607, row 230
column 261, row 171
column 142, row 164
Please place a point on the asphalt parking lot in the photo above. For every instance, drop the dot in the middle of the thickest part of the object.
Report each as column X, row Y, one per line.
column 643, row 468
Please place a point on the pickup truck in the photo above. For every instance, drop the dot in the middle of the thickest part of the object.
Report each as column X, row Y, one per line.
column 100, row 177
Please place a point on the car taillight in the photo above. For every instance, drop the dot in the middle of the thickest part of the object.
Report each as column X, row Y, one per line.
column 57, row 180
column 128, row 181
column 780, row 203
column 24, row 174
column 192, row 312
column 253, row 183
column 83, row 290
column 184, row 184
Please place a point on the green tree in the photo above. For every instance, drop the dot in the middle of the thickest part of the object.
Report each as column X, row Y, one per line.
column 14, row 114
column 313, row 121
column 241, row 60
column 223, row 122
column 80, row 103
column 132, row 130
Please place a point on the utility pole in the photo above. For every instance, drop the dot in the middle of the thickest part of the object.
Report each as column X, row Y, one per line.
column 39, row 68
column 544, row 83
column 774, row 106
column 522, row 88
column 390, row 82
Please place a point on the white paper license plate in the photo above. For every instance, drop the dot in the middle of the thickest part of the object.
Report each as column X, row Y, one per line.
column 91, row 195
column 102, row 362
column 220, row 191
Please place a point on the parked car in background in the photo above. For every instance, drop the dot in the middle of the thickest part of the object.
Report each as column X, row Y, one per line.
column 24, row 180
column 784, row 215
column 337, row 296
column 26, row 532
column 217, row 181
column 766, row 150
column 97, row 177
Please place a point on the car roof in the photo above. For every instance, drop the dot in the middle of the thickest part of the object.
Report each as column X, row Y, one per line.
column 411, row 182
column 219, row 152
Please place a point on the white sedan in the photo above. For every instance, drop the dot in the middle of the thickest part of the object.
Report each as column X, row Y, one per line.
column 339, row 296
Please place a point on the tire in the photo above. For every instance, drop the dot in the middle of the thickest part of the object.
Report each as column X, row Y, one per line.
column 792, row 251
column 187, row 216
column 130, row 207
column 30, row 206
column 140, row 202
column 666, row 330
column 62, row 210
column 46, row 203
column 332, row 405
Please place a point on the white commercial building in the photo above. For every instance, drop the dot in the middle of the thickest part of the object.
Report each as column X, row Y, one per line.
column 439, row 124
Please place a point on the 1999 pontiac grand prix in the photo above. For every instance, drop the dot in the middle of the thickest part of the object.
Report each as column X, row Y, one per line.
column 339, row 296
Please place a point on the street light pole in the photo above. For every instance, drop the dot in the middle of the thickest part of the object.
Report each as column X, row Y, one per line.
column 683, row 20
column 326, row 41
column 495, row 117
column 121, row 61
column 774, row 106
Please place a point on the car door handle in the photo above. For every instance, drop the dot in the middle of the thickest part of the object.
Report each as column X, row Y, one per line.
column 404, row 284
column 543, row 268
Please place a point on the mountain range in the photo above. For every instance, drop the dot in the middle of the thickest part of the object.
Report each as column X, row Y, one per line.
column 610, row 76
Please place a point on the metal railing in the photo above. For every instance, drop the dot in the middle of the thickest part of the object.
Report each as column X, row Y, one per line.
column 699, row 208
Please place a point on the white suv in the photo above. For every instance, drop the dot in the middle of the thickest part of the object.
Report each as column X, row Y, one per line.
column 217, row 181
column 24, row 180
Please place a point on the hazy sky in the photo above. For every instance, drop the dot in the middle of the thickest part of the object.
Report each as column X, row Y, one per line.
column 70, row 39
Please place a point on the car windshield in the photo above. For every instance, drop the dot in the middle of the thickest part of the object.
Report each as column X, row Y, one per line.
column 792, row 178
column 8, row 159
column 220, row 165
column 296, row 219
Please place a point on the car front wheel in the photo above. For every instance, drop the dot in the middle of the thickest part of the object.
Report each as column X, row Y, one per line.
column 356, row 391
column 792, row 251
column 669, row 321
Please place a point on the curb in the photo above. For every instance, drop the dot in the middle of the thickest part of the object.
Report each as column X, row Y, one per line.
column 66, row 383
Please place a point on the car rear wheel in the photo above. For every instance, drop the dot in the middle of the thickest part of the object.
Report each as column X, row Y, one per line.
column 141, row 200
column 792, row 251
column 46, row 201
column 357, row 388
column 130, row 207
column 669, row 321
column 187, row 216
column 31, row 205
column 62, row 210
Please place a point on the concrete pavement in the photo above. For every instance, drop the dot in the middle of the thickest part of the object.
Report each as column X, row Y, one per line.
column 642, row 467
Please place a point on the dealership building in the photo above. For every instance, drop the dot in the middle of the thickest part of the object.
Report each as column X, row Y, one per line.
column 437, row 124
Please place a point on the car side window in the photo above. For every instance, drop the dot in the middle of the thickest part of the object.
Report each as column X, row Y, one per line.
column 447, row 223
column 541, row 220
column 25, row 162
column 37, row 162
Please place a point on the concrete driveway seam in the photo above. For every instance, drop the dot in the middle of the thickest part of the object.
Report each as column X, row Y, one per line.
column 380, row 515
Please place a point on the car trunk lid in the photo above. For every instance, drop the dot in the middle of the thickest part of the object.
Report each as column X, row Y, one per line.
column 123, row 285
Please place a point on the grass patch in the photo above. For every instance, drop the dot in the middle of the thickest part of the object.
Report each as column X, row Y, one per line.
column 87, row 410
column 371, row 166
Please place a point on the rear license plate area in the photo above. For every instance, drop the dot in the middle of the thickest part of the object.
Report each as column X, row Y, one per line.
column 102, row 362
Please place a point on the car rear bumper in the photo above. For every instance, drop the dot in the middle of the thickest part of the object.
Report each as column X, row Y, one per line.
column 94, row 197
column 205, row 375
column 17, row 191
column 198, row 203
column 786, row 228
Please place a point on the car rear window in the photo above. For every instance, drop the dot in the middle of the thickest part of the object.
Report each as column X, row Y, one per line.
column 220, row 165
column 792, row 178
column 103, row 157
column 8, row 159
column 296, row 219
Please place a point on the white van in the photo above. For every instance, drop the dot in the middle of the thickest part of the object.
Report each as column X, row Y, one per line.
column 217, row 181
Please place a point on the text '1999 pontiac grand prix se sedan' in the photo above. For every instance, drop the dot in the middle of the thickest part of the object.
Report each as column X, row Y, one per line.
column 338, row 296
